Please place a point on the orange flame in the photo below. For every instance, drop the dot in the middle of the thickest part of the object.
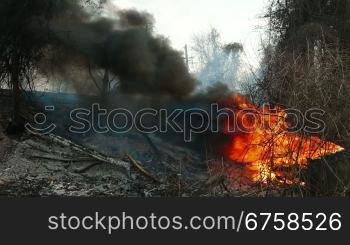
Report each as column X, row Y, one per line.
column 260, row 140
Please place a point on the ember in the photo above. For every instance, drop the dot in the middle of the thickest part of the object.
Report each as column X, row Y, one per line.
column 260, row 140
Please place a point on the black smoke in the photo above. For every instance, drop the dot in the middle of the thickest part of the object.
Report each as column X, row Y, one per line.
column 122, row 42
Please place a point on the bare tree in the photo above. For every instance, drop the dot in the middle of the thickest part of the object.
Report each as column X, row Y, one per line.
column 20, row 45
column 104, row 80
column 24, row 39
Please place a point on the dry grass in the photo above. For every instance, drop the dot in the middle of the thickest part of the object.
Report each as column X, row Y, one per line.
column 317, row 79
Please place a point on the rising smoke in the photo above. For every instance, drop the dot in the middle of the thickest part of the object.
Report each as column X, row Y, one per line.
column 121, row 42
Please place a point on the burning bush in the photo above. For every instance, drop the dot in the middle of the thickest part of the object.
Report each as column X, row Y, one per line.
column 262, row 140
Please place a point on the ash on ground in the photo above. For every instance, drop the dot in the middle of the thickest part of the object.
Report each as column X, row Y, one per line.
column 43, row 166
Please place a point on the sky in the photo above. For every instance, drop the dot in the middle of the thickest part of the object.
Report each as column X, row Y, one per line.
column 179, row 20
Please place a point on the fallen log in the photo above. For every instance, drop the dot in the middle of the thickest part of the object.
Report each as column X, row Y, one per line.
column 54, row 158
column 85, row 151
column 54, row 153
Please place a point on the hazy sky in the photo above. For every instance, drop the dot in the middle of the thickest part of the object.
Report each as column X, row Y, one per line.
column 179, row 20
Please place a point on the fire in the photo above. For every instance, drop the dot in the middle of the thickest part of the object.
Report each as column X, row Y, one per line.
column 261, row 140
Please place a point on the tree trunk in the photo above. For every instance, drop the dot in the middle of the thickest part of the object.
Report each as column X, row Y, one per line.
column 105, row 85
column 16, row 100
column 17, row 124
column 105, row 88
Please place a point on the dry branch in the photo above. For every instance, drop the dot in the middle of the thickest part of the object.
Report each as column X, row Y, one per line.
column 90, row 166
column 138, row 165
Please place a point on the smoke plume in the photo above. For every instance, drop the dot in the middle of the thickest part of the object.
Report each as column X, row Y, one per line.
column 122, row 43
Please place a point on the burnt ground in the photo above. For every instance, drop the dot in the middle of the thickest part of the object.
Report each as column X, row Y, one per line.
column 34, row 165
column 38, row 166
column 109, row 165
